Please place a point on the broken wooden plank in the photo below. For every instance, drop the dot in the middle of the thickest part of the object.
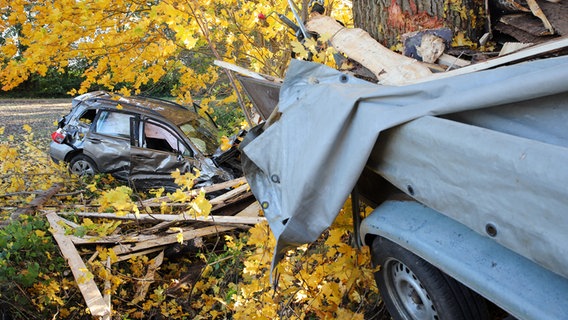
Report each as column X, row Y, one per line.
column 510, row 47
column 537, row 12
column 208, row 189
column 235, row 68
column 451, row 62
column 530, row 52
column 390, row 67
column 251, row 211
column 245, row 72
column 165, row 217
column 170, row 239
column 107, row 290
column 37, row 202
column 93, row 297
column 144, row 284
column 526, row 23
column 226, row 197
column 113, row 239
column 125, row 257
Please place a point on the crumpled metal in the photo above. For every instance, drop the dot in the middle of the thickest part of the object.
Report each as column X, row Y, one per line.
column 304, row 166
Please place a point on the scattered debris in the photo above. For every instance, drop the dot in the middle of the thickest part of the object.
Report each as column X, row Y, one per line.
column 540, row 22
column 510, row 47
column 389, row 67
column 426, row 45
column 37, row 202
column 154, row 233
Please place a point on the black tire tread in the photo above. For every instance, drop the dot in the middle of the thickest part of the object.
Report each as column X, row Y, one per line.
column 81, row 156
column 457, row 301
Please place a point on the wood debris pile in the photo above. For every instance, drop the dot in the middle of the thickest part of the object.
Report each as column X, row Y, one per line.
column 143, row 234
column 427, row 54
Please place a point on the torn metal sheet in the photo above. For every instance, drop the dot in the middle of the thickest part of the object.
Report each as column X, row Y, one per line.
column 304, row 166
column 262, row 93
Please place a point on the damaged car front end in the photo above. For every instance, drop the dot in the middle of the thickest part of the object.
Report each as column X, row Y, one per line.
column 141, row 141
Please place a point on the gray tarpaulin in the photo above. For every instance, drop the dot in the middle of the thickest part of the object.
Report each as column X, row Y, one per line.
column 303, row 167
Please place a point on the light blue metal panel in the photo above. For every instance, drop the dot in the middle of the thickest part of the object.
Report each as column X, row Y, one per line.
column 303, row 167
column 516, row 284
column 482, row 177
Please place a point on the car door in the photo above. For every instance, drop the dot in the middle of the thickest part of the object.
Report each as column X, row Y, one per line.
column 157, row 151
column 108, row 143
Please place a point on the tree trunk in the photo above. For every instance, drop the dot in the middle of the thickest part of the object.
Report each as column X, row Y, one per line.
column 387, row 20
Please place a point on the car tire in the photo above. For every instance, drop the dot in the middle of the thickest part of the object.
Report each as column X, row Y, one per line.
column 413, row 289
column 82, row 165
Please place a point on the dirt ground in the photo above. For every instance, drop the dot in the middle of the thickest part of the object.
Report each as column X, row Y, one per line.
column 40, row 114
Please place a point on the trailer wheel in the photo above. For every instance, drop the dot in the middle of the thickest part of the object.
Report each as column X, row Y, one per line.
column 413, row 289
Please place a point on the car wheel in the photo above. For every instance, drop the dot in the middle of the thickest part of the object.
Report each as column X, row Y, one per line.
column 82, row 165
column 413, row 289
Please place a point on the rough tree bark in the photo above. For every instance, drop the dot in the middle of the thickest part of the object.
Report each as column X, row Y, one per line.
column 387, row 20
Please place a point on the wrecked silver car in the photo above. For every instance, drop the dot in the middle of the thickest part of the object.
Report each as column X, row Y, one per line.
column 141, row 140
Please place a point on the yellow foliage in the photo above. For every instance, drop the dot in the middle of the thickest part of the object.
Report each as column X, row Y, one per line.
column 200, row 206
column 118, row 200
column 225, row 143
column 135, row 43
column 186, row 180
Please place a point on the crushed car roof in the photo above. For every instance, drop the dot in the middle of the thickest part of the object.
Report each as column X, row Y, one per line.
column 174, row 112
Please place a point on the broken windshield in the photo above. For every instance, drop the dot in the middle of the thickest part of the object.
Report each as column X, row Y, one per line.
column 201, row 133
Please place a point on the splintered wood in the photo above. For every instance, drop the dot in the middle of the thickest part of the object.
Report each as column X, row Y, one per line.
column 149, row 240
column 389, row 67
column 426, row 60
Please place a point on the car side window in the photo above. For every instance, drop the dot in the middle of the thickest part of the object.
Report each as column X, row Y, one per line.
column 88, row 116
column 159, row 137
column 113, row 124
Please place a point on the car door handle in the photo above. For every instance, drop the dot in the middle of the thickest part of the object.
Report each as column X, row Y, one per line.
column 95, row 141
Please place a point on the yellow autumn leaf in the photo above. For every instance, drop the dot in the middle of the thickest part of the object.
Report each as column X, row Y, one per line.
column 112, row 255
column 40, row 233
column 225, row 143
column 179, row 234
column 92, row 186
column 85, row 277
column 2, row 130
column 299, row 50
column 157, row 193
column 200, row 205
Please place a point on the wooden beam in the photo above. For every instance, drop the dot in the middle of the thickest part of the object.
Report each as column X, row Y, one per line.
column 166, row 217
column 93, row 297
column 530, row 52
column 208, row 189
column 37, row 202
column 169, row 239
column 390, row 67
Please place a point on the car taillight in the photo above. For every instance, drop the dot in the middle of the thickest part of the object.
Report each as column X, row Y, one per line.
column 58, row 136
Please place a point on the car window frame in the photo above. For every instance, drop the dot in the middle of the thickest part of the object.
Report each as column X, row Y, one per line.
column 141, row 136
column 95, row 123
